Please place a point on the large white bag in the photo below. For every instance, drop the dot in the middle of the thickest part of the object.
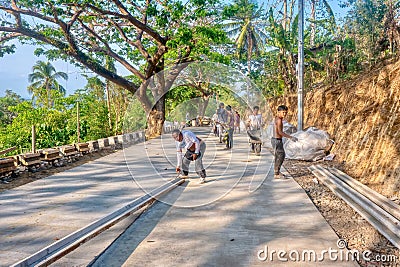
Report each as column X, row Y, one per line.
column 312, row 145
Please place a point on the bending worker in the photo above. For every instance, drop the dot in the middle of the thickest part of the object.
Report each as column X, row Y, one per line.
column 195, row 148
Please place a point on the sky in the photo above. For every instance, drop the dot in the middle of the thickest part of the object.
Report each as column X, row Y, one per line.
column 15, row 68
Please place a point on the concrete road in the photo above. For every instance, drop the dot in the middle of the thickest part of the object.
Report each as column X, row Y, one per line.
column 240, row 217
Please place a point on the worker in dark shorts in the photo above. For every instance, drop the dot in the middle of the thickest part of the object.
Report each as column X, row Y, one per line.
column 276, row 140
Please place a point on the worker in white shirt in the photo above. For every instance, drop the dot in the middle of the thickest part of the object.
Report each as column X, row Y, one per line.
column 254, row 124
column 195, row 148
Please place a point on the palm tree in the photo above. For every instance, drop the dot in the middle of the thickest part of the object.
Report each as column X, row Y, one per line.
column 246, row 23
column 43, row 79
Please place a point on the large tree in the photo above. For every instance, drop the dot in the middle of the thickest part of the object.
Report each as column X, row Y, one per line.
column 141, row 36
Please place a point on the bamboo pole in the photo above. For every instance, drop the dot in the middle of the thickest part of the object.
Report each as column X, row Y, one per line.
column 78, row 130
column 33, row 139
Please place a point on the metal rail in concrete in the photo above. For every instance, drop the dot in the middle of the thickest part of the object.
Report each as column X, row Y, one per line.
column 67, row 244
column 382, row 220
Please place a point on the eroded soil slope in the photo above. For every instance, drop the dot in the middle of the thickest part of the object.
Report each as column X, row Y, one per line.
column 362, row 115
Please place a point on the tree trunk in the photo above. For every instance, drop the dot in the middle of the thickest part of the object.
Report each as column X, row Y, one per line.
column 203, row 105
column 249, row 52
column 287, row 69
column 155, row 119
column 48, row 94
column 159, row 84
column 292, row 73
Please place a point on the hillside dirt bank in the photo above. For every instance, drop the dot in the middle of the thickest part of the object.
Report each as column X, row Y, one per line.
column 362, row 116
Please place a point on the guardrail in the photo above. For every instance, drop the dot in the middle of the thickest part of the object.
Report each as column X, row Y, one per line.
column 11, row 166
column 380, row 212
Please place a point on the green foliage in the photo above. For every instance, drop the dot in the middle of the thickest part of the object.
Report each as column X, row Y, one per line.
column 177, row 96
column 365, row 22
column 18, row 133
column 278, row 37
column 56, row 126
column 244, row 23
column 135, row 117
column 93, row 117
column 9, row 100
column 268, row 79
column 7, row 49
column 146, row 38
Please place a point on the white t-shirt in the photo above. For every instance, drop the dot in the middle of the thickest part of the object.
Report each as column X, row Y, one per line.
column 255, row 122
column 188, row 140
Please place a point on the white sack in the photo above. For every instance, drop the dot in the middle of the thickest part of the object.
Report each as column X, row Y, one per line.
column 311, row 146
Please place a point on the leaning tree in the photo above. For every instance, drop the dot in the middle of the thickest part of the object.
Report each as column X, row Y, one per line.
column 143, row 37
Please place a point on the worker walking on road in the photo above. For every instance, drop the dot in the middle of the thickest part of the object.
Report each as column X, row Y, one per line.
column 195, row 148
column 230, row 123
column 254, row 124
column 276, row 140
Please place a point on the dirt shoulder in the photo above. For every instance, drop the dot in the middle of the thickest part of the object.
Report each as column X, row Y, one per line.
column 347, row 224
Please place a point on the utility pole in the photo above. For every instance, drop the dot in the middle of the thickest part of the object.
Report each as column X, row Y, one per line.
column 300, row 68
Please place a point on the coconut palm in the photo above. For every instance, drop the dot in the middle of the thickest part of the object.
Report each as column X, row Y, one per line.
column 246, row 23
column 43, row 80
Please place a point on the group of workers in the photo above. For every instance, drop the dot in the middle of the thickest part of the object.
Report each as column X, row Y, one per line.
column 192, row 148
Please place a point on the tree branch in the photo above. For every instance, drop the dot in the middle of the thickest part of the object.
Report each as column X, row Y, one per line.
column 77, row 55
column 110, row 52
column 142, row 96
column 144, row 19
column 154, row 61
column 9, row 37
column 127, row 16
column 19, row 11
column 74, row 18
column 137, row 44
column 139, row 24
